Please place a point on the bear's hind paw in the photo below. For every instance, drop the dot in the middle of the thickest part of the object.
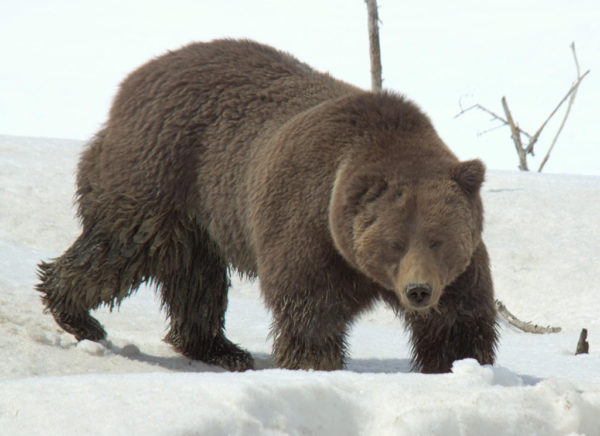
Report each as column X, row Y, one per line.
column 81, row 325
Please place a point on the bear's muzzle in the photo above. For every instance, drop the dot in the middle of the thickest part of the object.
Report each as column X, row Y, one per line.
column 418, row 294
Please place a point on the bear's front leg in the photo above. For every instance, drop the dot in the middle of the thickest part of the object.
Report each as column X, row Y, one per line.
column 309, row 332
column 462, row 326
column 438, row 339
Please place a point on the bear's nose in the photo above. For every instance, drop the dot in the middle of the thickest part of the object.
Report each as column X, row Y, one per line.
column 419, row 294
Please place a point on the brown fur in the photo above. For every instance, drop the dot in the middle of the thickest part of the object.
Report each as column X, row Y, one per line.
column 231, row 153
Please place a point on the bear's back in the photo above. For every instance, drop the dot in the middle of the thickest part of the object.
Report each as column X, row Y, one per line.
column 182, row 120
column 184, row 127
column 223, row 83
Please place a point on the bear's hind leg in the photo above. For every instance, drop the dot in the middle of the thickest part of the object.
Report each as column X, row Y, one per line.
column 85, row 276
column 71, row 317
column 193, row 282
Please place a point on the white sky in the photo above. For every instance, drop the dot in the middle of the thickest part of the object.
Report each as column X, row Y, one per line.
column 61, row 61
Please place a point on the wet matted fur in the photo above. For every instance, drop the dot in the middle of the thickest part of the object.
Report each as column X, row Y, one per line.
column 233, row 154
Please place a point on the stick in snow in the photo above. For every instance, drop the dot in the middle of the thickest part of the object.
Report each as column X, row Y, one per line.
column 583, row 347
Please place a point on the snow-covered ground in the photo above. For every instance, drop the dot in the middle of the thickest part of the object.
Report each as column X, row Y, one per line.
column 544, row 239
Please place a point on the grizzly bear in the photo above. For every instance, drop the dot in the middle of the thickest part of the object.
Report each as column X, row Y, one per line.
column 233, row 155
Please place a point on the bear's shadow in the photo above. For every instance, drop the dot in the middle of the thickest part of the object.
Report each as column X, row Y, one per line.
column 262, row 361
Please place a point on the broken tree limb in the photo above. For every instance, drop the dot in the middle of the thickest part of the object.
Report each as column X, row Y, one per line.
column 522, row 325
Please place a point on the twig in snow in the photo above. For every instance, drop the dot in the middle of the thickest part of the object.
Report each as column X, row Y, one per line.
column 522, row 325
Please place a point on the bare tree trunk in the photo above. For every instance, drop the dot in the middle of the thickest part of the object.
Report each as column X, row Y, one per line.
column 516, row 137
column 374, row 45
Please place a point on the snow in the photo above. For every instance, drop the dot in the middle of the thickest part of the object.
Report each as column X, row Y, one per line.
column 544, row 243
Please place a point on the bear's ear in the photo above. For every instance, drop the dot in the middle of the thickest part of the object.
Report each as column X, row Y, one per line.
column 469, row 175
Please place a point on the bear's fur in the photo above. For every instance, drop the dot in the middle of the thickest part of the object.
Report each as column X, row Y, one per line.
column 233, row 154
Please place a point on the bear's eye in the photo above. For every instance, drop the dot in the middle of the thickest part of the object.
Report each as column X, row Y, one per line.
column 374, row 192
column 398, row 246
column 435, row 243
column 369, row 221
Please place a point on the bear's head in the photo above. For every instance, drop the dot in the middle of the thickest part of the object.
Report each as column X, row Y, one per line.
column 413, row 236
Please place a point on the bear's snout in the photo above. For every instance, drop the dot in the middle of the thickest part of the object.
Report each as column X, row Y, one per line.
column 419, row 294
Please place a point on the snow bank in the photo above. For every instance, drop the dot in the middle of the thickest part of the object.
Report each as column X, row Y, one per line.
column 472, row 400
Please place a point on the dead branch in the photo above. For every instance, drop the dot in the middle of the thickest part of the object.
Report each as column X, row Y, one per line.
column 491, row 129
column 516, row 131
column 583, row 347
column 374, row 51
column 573, row 92
column 527, row 327
column 494, row 116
